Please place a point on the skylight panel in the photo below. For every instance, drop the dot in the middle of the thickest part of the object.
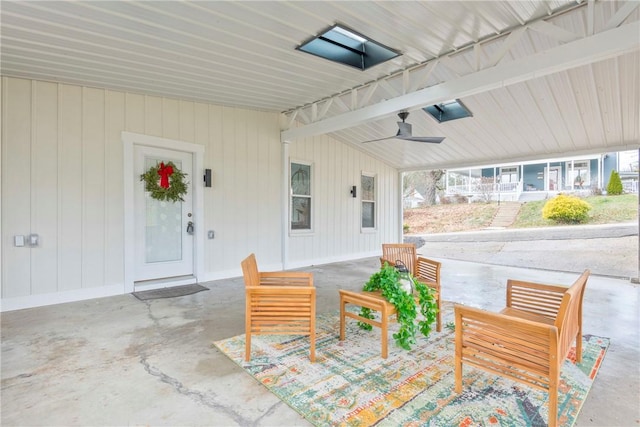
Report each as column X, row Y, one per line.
column 448, row 110
column 343, row 45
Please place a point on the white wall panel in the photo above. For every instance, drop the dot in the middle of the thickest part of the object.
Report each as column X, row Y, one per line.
column 135, row 111
column 63, row 178
column 44, row 187
column 16, row 183
column 93, row 187
column 152, row 116
column 70, row 188
column 170, row 118
column 114, row 197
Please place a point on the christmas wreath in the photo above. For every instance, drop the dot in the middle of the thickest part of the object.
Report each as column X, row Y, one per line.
column 165, row 182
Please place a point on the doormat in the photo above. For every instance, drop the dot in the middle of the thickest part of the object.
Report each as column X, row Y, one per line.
column 172, row 292
column 351, row 385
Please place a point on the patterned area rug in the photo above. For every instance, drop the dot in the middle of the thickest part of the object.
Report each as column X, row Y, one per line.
column 351, row 385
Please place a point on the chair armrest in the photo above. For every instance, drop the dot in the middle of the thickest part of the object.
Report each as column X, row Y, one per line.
column 536, row 298
column 286, row 278
column 382, row 261
column 280, row 290
column 500, row 342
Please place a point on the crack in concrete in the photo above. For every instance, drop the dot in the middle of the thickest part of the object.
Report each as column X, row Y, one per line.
column 154, row 319
column 194, row 395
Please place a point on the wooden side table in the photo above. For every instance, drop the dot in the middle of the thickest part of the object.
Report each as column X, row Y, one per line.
column 374, row 301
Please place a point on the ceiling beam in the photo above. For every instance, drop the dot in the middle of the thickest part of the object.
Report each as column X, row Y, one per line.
column 581, row 52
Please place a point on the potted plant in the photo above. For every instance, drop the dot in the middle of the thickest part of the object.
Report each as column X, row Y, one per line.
column 388, row 282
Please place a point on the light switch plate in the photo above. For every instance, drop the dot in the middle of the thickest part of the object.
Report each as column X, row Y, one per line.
column 18, row 241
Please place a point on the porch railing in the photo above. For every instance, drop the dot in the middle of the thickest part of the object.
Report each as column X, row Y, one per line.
column 485, row 188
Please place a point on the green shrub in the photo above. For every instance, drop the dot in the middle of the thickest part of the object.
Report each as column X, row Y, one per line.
column 614, row 187
column 566, row 209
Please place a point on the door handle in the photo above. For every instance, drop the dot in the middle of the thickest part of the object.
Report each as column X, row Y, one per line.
column 190, row 227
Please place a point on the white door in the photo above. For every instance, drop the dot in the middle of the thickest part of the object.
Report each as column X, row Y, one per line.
column 553, row 178
column 163, row 236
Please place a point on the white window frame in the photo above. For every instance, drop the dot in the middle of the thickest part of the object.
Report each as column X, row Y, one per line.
column 309, row 196
column 509, row 171
column 374, row 201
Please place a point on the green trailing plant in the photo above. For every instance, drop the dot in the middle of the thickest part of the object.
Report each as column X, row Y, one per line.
column 387, row 281
column 614, row 188
column 566, row 209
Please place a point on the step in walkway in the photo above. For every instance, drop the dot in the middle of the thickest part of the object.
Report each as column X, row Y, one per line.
column 506, row 215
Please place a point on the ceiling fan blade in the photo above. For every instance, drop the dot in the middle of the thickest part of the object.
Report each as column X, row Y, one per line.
column 429, row 139
column 380, row 139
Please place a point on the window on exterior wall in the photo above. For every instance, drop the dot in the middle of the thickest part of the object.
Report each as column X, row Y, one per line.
column 580, row 173
column 300, row 196
column 509, row 174
column 368, row 183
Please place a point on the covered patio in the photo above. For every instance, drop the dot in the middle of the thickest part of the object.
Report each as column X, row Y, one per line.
column 290, row 156
column 133, row 362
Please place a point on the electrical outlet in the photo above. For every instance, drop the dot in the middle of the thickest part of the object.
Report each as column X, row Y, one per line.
column 210, row 234
column 18, row 241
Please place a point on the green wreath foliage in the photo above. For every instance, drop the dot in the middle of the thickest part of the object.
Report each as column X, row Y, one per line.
column 387, row 281
column 177, row 185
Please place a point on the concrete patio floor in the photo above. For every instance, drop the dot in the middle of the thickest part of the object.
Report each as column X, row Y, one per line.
column 121, row 361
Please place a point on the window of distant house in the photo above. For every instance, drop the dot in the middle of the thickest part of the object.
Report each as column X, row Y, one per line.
column 368, row 183
column 300, row 196
column 509, row 174
column 579, row 175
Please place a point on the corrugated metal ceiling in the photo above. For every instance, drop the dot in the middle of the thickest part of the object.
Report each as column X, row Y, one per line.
column 243, row 54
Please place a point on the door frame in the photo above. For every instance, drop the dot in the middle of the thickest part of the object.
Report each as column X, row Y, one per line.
column 130, row 140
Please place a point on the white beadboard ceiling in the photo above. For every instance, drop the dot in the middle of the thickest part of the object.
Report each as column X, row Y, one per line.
column 242, row 54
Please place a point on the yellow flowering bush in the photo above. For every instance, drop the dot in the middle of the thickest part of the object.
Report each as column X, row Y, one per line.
column 566, row 209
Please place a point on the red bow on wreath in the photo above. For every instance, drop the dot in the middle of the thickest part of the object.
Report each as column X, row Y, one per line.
column 165, row 172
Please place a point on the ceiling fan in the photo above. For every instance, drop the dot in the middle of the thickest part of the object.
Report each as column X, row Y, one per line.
column 404, row 132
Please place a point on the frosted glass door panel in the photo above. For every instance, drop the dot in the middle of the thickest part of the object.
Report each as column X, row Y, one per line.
column 163, row 230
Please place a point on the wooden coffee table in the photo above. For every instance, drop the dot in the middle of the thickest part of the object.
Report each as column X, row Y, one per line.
column 374, row 301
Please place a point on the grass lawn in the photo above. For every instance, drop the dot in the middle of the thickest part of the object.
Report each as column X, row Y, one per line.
column 477, row 216
column 604, row 210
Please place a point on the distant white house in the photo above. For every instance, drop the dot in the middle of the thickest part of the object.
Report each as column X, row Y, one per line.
column 509, row 181
column 412, row 199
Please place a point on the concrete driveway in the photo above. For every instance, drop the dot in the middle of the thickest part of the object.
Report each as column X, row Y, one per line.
column 607, row 250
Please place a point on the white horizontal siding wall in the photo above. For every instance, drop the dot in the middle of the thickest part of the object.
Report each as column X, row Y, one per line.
column 336, row 215
column 62, row 178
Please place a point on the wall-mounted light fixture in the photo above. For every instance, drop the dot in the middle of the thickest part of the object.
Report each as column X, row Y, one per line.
column 207, row 177
column 353, row 191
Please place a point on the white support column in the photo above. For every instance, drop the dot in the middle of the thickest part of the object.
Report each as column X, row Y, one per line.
column 285, row 205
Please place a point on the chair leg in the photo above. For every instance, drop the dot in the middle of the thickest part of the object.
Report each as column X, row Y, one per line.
column 553, row 404
column 579, row 347
column 439, row 317
column 342, row 320
column 312, row 350
column 247, row 348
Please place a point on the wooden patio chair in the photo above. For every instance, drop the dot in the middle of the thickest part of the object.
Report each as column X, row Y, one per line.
column 528, row 340
column 278, row 303
column 427, row 271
